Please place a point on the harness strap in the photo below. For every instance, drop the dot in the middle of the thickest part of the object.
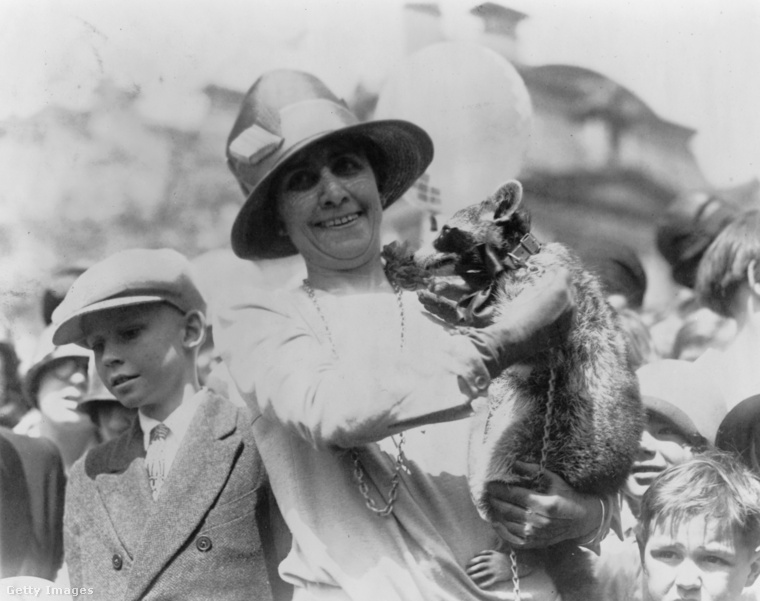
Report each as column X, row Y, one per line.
column 474, row 304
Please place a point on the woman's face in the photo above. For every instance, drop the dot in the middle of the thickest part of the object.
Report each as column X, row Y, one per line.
column 662, row 445
column 62, row 386
column 330, row 206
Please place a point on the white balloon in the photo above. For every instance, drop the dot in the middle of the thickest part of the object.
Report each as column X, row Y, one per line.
column 475, row 106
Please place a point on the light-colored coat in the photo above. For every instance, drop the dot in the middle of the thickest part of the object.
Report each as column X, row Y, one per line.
column 199, row 540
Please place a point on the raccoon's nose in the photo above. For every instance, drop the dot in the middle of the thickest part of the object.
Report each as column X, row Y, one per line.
column 445, row 240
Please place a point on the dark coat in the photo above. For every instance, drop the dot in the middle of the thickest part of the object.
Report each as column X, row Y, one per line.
column 199, row 540
column 32, row 482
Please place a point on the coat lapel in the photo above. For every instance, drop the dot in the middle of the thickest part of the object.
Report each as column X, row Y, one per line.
column 196, row 478
column 124, row 489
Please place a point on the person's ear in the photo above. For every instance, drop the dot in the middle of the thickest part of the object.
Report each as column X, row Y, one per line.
column 194, row 330
column 752, row 277
column 754, row 568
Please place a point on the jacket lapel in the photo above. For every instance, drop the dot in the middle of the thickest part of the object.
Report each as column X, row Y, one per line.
column 124, row 489
column 195, row 480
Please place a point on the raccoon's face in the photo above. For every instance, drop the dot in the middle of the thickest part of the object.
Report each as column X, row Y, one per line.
column 455, row 250
column 458, row 249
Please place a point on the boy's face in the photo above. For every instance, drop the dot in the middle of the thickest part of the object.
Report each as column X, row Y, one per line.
column 662, row 446
column 140, row 356
column 701, row 559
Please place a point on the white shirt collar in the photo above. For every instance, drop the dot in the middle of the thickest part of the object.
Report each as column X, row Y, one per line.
column 178, row 420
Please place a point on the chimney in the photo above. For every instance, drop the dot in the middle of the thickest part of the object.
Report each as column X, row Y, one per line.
column 500, row 28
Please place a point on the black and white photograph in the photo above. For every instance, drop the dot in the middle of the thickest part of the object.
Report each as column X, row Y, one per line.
column 380, row 300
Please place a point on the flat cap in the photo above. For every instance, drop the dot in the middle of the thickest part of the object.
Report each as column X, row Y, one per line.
column 130, row 277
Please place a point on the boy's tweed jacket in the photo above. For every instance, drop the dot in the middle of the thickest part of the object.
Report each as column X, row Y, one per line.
column 199, row 540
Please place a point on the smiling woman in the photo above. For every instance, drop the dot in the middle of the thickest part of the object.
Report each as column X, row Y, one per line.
column 339, row 371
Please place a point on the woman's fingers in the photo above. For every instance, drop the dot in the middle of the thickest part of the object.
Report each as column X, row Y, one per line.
column 531, row 519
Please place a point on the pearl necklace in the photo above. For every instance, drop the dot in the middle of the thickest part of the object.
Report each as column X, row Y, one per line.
column 400, row 462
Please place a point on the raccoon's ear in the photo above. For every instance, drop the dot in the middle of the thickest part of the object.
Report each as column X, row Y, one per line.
column 508, row 199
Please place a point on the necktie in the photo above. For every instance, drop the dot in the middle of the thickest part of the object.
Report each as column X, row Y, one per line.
column 155, row 459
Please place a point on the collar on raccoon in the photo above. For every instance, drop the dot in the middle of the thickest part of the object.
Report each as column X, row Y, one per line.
column 471, row 308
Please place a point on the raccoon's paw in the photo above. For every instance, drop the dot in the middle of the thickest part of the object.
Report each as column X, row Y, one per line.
column 451, row 299
column 440, row 306
column 490, row 567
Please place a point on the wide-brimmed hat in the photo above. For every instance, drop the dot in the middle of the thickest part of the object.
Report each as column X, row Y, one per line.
column 46, row 356
column 619, row 269
column 285, row 112
column 690, row 225
column 676, row 390
column 131, row 277
column 738, row 427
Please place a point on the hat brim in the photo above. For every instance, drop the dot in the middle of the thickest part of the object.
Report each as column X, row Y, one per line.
column 735, row 430
column 673, row 414
column 70, row 331
column 32, row 377
column 407, row 151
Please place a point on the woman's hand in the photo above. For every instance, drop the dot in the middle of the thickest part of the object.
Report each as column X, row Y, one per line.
column 527, row 519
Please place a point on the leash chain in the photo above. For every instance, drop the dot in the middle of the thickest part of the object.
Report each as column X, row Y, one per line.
column 515, row 574
column 541, row 467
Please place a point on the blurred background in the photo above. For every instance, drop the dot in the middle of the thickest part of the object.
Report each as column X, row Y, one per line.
column 114, row 116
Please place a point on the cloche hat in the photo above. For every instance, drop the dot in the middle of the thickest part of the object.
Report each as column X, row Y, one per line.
column 738, row 432
column 286, row 111
column 47, row 354
column 690, row 225
column 677, row 390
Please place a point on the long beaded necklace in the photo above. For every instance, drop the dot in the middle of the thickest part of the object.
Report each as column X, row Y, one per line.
column 400, row 462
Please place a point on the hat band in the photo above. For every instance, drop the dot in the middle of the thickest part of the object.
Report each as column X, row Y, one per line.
column 298, row 121
column 305, row 119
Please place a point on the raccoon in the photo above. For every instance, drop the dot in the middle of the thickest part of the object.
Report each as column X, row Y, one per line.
column 484, row 258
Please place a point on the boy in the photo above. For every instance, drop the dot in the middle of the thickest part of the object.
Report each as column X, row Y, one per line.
column 683, row 413
column 168, row 509
column 699, row 531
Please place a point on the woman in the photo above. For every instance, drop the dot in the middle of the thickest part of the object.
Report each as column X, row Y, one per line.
column 358, row 398
column 55, row 386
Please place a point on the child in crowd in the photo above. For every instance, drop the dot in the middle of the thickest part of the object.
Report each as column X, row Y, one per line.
column 683, row 414
column 54, row 387
column 168, row 509
column 699, row 531
column 728, row 283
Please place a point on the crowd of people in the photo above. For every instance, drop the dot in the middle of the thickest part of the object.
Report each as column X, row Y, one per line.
column 325, row 455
